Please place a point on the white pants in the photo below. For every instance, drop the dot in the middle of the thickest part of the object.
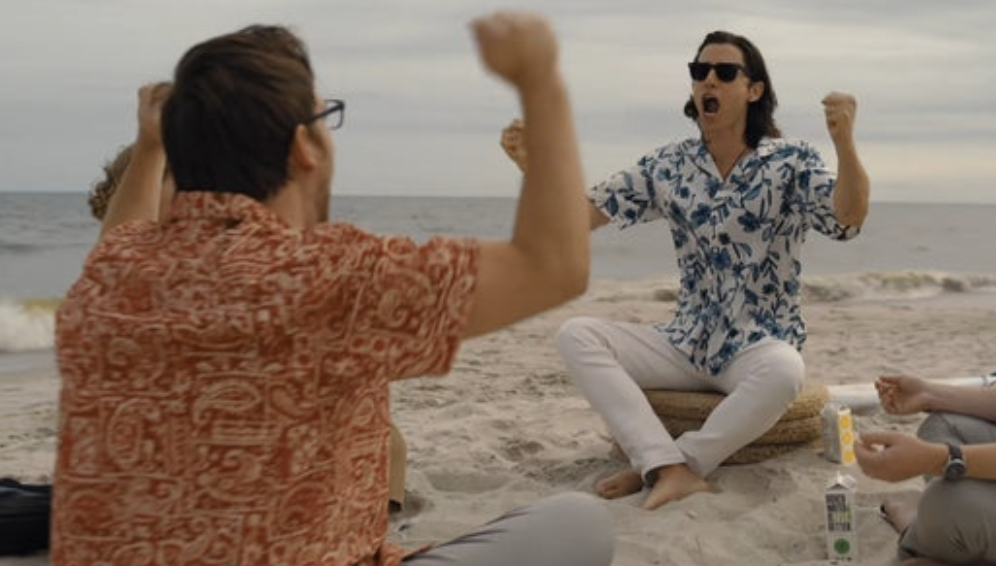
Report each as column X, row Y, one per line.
column 613, row 362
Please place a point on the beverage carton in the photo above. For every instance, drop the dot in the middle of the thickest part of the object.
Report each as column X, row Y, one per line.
column 842, row 537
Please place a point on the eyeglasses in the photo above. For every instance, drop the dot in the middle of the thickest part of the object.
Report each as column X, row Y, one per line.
column 333, row 115
column 725, row 72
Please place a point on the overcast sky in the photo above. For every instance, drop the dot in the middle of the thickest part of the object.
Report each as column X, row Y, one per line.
column 423, row 119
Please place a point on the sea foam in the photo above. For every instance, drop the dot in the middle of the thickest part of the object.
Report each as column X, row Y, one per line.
column 27, row 325
column 865, row 286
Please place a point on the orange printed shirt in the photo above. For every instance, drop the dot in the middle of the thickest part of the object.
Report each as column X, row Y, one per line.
column 225, row 386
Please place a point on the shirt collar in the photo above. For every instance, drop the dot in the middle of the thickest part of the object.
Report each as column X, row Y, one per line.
column 765, row 147
column 223, row 206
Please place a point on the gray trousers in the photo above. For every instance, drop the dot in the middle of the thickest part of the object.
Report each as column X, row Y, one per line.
column 956, row 520
column 570, row 529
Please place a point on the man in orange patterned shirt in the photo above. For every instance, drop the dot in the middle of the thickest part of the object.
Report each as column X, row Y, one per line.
column 225, row 371
column 154, row 200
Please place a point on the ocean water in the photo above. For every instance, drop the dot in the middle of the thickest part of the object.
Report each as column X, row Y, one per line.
column 905, row 250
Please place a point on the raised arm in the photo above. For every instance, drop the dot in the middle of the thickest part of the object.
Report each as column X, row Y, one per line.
column 546, row 261
column 137, row 196
column 853, row 187
column 894, row 456
column 512, row 141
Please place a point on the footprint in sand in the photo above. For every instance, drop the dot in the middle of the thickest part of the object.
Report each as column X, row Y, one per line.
column 469, row 482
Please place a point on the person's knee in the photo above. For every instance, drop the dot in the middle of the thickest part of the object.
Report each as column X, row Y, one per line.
column 576, row 334
column 594, row 514
column 782, row 371
column 938, row 505
column 584, row 519
column 954, row 427
column 954, row 513
column 935, row 428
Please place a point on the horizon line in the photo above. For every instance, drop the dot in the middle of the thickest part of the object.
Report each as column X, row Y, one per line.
column 500, row 196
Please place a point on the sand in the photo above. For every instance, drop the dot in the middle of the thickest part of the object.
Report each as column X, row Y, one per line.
column 508, row 427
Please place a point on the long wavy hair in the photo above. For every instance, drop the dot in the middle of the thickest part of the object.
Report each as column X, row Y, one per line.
column 761, row 112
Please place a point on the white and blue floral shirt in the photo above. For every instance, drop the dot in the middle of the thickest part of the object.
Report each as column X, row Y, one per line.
column 738, row 241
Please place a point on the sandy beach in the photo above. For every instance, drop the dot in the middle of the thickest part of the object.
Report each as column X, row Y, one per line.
column 508, row 427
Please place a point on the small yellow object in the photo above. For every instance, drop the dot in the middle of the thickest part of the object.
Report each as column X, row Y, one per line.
column 838, row 434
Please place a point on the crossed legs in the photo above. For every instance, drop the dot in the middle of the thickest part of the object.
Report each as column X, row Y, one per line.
column 612, row 363
column 953, row 522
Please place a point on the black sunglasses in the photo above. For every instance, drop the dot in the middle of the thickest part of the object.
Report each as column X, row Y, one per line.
column 725, row 72
column 333, row 115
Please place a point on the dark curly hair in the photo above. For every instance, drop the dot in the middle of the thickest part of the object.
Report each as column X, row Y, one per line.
column 103, row 189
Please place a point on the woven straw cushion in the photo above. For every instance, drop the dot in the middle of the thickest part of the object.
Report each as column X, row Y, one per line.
column 683, row 411
column 783, row 432
column 696, row 405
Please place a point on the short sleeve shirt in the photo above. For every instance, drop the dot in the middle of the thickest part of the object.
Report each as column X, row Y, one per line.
column 225, row 386
column 737, row 240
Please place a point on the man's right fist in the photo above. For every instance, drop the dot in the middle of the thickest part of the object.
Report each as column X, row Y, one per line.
column 520, row 47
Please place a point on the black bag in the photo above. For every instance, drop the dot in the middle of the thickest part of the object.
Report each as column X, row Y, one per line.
column 25, row 511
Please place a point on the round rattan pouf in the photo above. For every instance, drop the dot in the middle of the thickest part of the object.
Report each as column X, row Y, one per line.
column 683, row 411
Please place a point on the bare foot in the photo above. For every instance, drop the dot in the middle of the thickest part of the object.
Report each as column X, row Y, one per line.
column 674, row 483
column 899, row 514
column 619, row 485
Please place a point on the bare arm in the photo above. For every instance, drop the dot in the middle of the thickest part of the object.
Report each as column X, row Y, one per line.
column 970, row 401
column 980, row 461
column 137, row 196
column 546, row 261
column 904, row 395
column 894, row 456
column 851, row 195
column 513, row 142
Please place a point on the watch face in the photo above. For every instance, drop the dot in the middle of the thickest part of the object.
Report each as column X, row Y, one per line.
column 954, row 470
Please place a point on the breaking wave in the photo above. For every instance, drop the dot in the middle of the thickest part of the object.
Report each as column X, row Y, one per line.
column 884, row 285
column 27, row 324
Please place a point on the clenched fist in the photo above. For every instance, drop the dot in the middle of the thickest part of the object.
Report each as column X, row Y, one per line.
column 840, row 110
column 513, row 141
column 151, row 98
column 517, row 46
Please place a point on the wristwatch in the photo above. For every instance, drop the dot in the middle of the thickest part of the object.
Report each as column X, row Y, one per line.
column 955, row 468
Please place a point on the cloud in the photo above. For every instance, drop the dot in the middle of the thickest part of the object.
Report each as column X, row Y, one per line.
column 424, row 118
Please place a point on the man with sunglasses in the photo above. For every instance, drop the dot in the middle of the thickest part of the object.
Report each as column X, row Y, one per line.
column 225, row 370
column 739, row 200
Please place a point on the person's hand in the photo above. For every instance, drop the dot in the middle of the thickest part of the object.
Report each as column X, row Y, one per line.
column 840, row 110
column 902, row 395
column 517, row 46
column 151, row 98
column 513, row 141
column 894, row 456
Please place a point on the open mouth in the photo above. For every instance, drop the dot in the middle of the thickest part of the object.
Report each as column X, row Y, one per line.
column 710, row 104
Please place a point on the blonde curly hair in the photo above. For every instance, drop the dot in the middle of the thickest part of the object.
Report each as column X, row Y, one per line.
column 103, row 189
